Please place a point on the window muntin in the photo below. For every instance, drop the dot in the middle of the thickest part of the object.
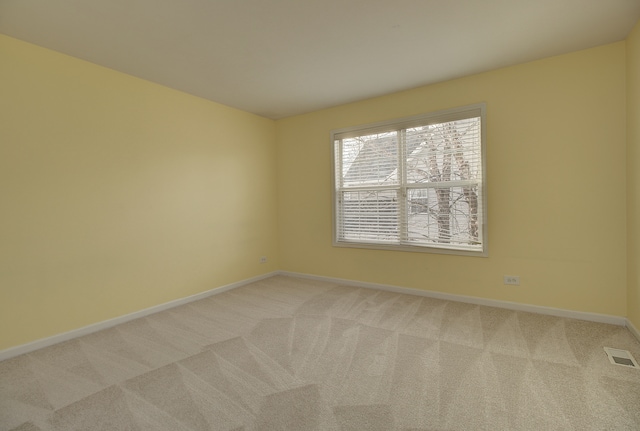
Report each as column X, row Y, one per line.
column 412, row 184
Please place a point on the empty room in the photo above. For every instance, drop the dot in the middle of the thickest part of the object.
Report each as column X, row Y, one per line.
column 338, row 215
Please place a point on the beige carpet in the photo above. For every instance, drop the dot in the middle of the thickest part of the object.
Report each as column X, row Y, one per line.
column 293, row 354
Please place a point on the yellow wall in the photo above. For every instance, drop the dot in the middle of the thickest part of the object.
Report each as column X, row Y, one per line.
column 118, row 194
column 556, row 186
column 633, row 172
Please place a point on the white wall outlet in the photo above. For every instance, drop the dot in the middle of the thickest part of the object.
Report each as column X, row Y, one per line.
column 263, row 259
column 513, row 280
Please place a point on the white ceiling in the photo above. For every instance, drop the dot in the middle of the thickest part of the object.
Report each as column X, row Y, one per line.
column 278, row 58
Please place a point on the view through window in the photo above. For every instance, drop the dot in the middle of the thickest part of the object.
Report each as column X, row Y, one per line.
column 415, row 183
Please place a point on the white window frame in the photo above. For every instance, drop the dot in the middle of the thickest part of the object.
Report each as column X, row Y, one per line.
column 471, row 111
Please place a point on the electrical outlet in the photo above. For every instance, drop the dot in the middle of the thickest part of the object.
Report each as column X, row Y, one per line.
column 512, row 280
column 263, row 259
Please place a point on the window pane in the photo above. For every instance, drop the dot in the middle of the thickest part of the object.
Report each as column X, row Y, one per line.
column 414, row 183
column 444, row 216
column 444, row 152
column 370, row 216
column 370, row 160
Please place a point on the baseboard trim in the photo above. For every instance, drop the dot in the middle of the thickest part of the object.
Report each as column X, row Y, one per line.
column 633, row 330
column 558, row 312
column 66, row 336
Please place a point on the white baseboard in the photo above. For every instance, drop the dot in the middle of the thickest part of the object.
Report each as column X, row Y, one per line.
column 66, row 336
column 59, row 338
column 580, row 315
column 633, row 330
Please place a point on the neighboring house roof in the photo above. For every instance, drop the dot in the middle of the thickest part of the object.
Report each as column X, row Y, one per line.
column 376, row 161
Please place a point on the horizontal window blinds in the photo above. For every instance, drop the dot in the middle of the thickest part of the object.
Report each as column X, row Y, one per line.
column 416, row 182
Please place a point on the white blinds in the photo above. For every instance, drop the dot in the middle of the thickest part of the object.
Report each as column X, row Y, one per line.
column 370, row 160
column 417, row 182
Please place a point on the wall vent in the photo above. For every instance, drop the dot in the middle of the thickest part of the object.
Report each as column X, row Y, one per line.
column 621, row 357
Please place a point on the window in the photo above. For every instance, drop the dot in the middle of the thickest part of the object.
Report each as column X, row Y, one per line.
column 412, row 184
